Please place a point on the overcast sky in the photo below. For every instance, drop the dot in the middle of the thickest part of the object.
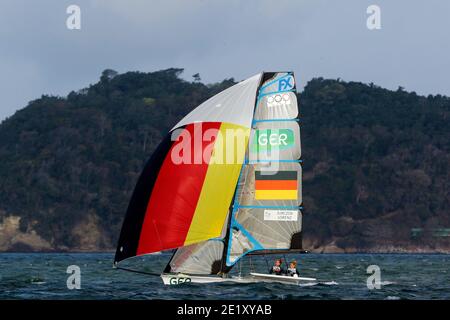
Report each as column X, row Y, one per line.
column 221, row 39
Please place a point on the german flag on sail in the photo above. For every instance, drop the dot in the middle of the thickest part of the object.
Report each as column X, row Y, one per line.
column 281, row 185
column 178, row 204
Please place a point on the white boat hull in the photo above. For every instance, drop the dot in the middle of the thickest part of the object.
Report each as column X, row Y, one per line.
column 263, row 277
column 174, row 279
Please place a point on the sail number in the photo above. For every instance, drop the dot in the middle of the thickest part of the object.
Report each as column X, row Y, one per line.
column 273, row 139
column 268, row 139
column 178, row 280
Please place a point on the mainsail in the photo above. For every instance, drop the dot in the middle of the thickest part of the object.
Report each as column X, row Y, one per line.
column 217, row 201
column 266, row 213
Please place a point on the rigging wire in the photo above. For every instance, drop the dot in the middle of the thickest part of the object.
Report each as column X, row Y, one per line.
column 267, row 263
column 240, row 268
column 285, row 262
column 138, row 271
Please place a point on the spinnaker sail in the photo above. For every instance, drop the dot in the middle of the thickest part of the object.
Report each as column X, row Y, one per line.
column 225, row 182
column 185, row 190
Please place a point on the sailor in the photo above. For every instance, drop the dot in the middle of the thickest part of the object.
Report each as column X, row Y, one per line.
column 292, row 271
column 277, row 268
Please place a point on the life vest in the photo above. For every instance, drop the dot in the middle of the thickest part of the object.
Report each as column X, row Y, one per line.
column 276, row 270
column 291, row 271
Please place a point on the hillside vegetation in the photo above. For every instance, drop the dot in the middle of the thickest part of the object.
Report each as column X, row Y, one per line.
column 376, row 162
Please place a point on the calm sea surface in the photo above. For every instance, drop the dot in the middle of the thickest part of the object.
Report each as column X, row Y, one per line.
column 340, row 276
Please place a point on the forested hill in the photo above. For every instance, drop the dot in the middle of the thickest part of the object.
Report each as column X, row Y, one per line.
column 376, row 162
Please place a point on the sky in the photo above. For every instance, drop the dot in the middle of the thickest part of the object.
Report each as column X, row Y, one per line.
column 221, row 39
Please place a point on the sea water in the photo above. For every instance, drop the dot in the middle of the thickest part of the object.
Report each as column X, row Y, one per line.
column 339, row 276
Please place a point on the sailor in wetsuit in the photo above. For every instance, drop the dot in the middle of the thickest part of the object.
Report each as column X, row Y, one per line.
column 277, row 268
column 292, row 271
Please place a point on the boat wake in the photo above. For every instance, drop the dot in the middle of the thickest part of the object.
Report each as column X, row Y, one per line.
column 327, row 283
column 330, row 283
column 308, row 284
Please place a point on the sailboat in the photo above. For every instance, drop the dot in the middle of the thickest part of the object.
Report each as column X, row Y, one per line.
column 224, row 184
